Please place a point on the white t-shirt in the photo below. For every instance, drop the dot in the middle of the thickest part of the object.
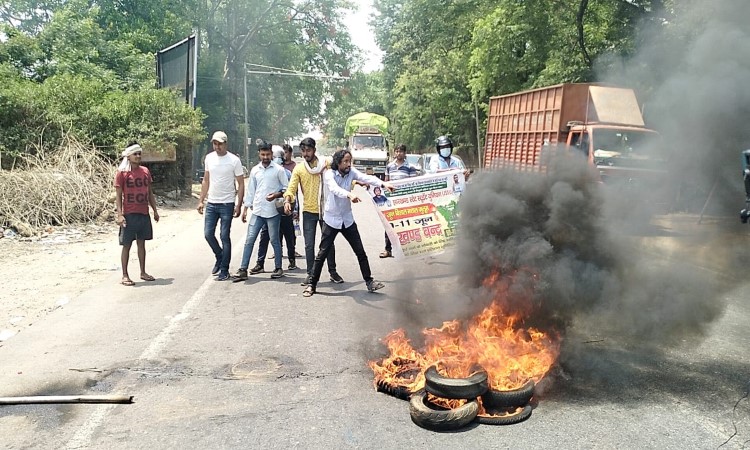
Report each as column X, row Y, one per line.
column 223, row 171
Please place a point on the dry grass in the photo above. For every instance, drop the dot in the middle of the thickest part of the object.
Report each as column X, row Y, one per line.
column 69, row 186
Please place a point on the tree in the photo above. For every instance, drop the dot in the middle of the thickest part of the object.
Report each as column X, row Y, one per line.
column 363, row 92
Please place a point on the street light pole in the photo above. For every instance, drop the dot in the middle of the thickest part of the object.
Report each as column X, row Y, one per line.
column 247, row 147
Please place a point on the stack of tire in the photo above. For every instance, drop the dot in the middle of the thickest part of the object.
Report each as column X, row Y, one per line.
column 503, row 407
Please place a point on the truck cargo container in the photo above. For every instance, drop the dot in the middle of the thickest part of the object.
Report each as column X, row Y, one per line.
column 603, row 123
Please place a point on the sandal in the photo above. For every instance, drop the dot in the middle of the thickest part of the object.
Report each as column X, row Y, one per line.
column 309, row 291
column 385, row 254
column 147, row 277
column 127, row 282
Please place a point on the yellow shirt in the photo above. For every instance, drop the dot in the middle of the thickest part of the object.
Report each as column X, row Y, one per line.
column 310, row 185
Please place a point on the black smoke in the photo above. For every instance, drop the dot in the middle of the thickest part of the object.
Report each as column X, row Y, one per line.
column 551, row 239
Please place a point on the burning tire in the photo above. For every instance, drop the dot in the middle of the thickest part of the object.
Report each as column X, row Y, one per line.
column 506, row 399
column 397, row 386
column 440, row 419
column 393, row 390
column 455, row 388
column 506, row 418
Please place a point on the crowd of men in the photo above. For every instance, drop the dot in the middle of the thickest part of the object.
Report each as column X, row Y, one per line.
column 268, row 203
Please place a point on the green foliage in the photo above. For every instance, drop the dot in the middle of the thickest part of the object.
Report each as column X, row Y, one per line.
column 35, row 116
column 363, row 92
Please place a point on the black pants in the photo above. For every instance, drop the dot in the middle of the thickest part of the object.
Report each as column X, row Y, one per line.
column 310, row 223
column 286, row 233
column 351, row 234
column 388, row 246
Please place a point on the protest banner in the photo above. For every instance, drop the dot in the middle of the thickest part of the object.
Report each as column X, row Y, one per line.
column 421, row 215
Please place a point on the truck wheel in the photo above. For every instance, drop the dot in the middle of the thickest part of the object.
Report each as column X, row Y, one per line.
column 511, row 398
column 440, row 420
column 455, row 388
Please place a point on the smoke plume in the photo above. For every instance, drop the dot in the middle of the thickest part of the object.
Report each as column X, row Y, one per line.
column 575, row 249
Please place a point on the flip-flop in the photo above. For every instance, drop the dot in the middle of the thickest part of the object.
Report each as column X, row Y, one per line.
column 147, row 278
column 309, row 291
column 127, row 282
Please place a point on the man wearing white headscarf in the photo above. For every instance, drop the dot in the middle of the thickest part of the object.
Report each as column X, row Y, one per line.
column 134, row 195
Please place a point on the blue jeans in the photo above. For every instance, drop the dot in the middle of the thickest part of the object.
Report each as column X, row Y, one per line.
column 310, row 223
column 286, row 233
column 253, row 230
column 212, row 213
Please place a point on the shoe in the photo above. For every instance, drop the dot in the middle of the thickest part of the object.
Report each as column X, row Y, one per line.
column 216, row 268
column 297, row 255
column 292, row 265
column 257, row 269
column 223, row 276
column 277, row 273
column 309, row 291
column 241, row 275
column 307, row 281
column 270, row 257
column 373, row 285
column 336, row 278
column 386, row 254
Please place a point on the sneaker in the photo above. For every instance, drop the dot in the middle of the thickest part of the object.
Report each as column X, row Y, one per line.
column 373, row 285
column 271, row 257
column 277, row 273
column 216, row 268
column 336, row 278
column 307, row 281
column 241, row 275
column 223, row 276
column 292, row 265
column 257, row 269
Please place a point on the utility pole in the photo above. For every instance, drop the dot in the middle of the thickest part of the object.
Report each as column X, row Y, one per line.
column 247, row 145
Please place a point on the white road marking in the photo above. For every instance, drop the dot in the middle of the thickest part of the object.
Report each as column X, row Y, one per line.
column 82, row 437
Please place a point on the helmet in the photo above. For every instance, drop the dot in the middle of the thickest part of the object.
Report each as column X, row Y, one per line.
column 442, row 142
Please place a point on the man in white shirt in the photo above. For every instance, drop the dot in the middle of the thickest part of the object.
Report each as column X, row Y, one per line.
column 267, row 182
column 222, row 183
column 338, row 217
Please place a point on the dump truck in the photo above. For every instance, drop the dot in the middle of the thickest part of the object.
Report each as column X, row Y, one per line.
column 366, row 137
column 604, row 123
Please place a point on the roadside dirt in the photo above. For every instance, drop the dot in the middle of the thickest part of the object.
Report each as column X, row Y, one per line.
column 44, row 273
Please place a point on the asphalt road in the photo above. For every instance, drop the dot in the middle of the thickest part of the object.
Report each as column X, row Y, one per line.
column 255, row 365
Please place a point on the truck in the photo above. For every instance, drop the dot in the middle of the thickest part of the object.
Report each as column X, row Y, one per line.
column 604, row 123
column 366, row 139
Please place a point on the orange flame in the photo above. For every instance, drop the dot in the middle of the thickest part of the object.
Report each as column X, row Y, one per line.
column 494, row 339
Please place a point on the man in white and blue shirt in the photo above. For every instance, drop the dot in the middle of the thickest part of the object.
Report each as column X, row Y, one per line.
column 267, row 182
column 338, row 217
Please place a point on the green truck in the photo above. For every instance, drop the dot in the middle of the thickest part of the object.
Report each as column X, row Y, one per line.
column 366, row 137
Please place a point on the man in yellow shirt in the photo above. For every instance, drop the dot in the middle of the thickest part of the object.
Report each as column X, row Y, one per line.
column 308, row 177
